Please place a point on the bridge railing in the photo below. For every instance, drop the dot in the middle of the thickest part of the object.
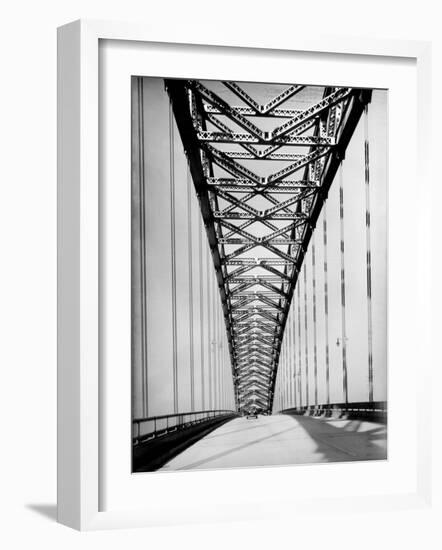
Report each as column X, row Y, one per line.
column 144, row 429
column 372, row 410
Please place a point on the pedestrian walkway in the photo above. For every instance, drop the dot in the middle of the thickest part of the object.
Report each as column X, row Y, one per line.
column 283, row 439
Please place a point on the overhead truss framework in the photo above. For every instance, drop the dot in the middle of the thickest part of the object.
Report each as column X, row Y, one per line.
column 262, row 159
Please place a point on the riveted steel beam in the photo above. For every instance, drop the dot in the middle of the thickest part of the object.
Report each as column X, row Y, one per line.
column 249, row 112
column 238, row 226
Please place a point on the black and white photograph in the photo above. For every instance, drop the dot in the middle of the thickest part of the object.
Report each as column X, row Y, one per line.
column 258, row 274
column 221, row 275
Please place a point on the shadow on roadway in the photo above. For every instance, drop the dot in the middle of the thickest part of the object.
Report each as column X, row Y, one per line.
column 234, row 449
column 348, row 440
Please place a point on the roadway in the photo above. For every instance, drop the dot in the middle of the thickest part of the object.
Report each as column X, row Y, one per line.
column 283, row 439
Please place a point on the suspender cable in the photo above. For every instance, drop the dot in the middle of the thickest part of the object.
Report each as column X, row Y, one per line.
column 201, row 275
column 315, row 349
column 173, row 260
column 344, row 336
column 306, row 337
column 299, row 346
column 368, row 247
column 142, row 237
column 209, row 328
column 295, row 377
column 190, row 258
column 327, row 348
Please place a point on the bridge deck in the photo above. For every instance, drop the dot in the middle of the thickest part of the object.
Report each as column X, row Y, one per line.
column 282, row 439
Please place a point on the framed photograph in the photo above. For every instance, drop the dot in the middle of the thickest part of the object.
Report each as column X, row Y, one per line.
column 258, row 285
column 233, row 305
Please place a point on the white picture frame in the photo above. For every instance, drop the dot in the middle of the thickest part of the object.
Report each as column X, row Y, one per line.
column 79, row 271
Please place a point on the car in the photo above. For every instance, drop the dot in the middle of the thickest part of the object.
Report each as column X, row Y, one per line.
column 252, row 413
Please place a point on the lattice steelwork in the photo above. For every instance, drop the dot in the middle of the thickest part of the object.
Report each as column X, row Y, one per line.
column 262, row 159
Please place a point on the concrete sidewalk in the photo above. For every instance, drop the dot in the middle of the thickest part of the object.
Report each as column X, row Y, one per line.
column 283, row 439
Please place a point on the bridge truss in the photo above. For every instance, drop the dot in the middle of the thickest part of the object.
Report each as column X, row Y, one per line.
column 262, row 158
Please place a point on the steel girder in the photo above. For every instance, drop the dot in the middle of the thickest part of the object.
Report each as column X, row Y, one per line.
column 240, row 166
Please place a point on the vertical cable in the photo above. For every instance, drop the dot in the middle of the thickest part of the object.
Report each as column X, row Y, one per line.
column 344, row 335
column 327, row 348
column 223, row 403
column 190, row 247
column 220, row 355
column 214, row 361
column 289, row 362
column 290, row 334
column 221, row 371
column 209, row 329
column 299, row 344
column 368, row 249
column 307, row 396
column 225, row 364
column 201, row 275
column 221, row 366
column 282, row 378
column 213, row 343
column 286, row 393
column 293, row 359
column 218, row 360
column 285, row 377
column 217, row 352
column 315, row 348
column 222, row 363
column 142, row 236
column 173, row 259
column 295, row 377
column 287, row 370
column 215, row 311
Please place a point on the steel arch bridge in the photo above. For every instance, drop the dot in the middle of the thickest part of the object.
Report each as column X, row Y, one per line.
column 262, row 168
